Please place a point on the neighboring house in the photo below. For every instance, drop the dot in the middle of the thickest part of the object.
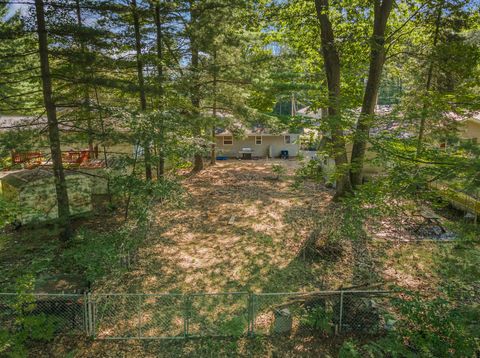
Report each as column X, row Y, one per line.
column 468, row 129
column 471, row 128
column 256, row 143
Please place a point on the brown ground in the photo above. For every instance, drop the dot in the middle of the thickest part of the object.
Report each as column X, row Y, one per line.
column 238, row 229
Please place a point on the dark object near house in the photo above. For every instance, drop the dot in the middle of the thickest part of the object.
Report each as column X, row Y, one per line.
column 284, row 154
column 222, row 158
column 246, row 153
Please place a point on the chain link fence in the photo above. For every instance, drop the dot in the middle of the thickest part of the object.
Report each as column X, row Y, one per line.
column 166, row 316
column 325, row 313
column 66, row 313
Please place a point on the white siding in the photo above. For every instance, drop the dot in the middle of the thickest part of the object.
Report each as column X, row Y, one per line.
column 277, row 143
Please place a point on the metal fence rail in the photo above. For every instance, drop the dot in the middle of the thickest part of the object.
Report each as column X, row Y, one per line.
column 168, row 316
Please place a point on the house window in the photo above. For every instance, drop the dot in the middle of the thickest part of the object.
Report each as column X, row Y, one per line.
column 288, row 139
column 227, row 140
column 258, row 139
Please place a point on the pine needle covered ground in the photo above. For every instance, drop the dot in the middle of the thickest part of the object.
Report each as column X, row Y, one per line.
column 240, row 228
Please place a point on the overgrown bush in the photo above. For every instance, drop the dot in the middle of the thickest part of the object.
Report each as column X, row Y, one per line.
column 317, row 318
column 428, row 327
column 137, row 195
column 9, row 211
column 27, row 326
column 279, row 170
column 437, row 327
column 97, row 254
column 311, row 169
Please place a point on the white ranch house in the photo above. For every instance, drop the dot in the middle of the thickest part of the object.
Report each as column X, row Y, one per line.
column 256, row 143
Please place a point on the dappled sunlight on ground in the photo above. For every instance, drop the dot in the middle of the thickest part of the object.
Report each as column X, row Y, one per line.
column 239, row 229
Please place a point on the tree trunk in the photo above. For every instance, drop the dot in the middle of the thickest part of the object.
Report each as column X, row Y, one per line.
column 86, row 94
column 141, row 85
column 332, row 69
column 161, row 154
column 382, row 10
column 213, row 155
column 421, row 131
column 102, row 127
column 195, row 95
column 52, row 123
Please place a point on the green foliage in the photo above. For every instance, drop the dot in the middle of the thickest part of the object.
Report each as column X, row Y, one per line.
column 234, row 327
column 429, row 327
column 311, row 169
column 349, row 350
column 94, row 254
column 319, row 319
column 140, row 194
column 436, row 327
column 279, row 170
column 28, row 326
column 9, row 211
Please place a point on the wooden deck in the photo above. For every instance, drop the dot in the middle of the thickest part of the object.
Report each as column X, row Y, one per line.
column 458, row 199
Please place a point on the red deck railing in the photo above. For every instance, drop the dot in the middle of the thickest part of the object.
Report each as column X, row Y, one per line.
column 71, row 157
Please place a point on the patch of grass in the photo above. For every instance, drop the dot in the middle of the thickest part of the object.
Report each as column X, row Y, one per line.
column 264, row 239
column 26, row 252
column 234, row 327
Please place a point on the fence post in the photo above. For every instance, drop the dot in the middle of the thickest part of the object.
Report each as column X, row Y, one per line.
column 89, row 315
column 85, row 314
column 250, row 314
column 186, row 315
column 340, row 313
column 139, row 303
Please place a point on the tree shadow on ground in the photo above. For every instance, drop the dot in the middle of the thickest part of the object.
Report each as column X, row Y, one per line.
column 259, row 346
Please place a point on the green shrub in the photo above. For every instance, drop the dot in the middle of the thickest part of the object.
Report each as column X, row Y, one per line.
column 319, row 319
column 234, row 327
column 9, row 211
column 311, row 169
column 349, row 349
column 98, row 254
column 27, row 326
column 279, row 170
column 429, row 327
column 438, row 327
column 138, row 195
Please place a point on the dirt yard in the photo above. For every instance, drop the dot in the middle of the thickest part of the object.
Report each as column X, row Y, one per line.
column 239, row 228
